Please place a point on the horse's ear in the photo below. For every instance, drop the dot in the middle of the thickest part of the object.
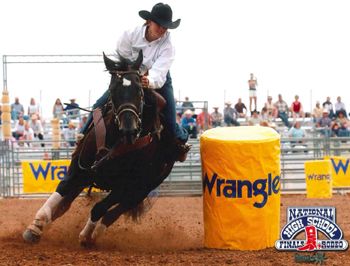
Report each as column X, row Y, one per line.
column 109, row 63
column 136, row 65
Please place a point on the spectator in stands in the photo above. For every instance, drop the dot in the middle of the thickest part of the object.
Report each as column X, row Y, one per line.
column 33, row 108
column 204, row 120
column 230, row 115
column 297, row 108
column 69, row 134
column 341, row 125
column 282, row 110
column 28, row 134
column 189, row 123
column 270, row 108
column 329, row 106
column 72, row 109
column 317, row 112
column 241, row 108
column 178, row 107
column 339, row 106
column 187, row 105
column 324, row 123
column 296, row 132
column 37, row 127
column 58, row 109
column 17, row 109
column 216, row 117
column 255, row 119
column 19, row 128
column 252, row 82
column 83, row 121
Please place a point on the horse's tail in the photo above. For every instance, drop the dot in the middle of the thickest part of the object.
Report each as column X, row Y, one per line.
column 136, row 213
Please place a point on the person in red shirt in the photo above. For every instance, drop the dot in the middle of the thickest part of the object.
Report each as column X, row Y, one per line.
column 297, row 108
column 204, row 120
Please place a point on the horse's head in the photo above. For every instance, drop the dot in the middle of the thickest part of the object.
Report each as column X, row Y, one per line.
column 127, row 96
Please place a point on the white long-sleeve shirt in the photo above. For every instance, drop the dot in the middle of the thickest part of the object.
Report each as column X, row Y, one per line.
column 158, row 55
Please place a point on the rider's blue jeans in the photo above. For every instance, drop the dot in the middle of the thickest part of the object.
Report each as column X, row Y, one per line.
column 169, row 110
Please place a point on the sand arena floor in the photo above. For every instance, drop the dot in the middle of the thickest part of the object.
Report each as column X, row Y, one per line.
column 171, row 233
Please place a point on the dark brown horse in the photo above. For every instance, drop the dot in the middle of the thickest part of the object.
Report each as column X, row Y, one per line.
column 124, row 151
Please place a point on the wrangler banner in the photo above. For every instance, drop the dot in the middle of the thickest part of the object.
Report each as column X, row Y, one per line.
column 43, row 176
column 318, row 177
column 340, row 171
column 241, row 187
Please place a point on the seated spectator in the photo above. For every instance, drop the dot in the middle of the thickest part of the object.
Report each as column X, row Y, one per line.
column 340, row 127
column 329, row 107
column 204, row 120
column 297, row 108
column 189, row 123
column 296, row 132
column 33, row 108
column 28, row 134
column 187, row 105
column 339, row 106
column 72, row 109
column 317, row 112
column 58, row 109
column 216, row 117
column 37, row 127
column 255, row 119
column 69, row 134
column 241, row 108
column 325, row 123
column 17, row 109
column 282, row 110
column 230, row 115
column 270, row 109
column 19, row 129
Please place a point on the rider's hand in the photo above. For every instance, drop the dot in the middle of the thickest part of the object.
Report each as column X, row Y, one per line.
column 144, row 82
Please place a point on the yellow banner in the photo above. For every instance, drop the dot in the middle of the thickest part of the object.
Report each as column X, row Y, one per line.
column 318, row 177
column 340, row 171
column 241, row 182
column 43, row 176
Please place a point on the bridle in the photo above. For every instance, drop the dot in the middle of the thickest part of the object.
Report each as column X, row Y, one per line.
column 128, row 107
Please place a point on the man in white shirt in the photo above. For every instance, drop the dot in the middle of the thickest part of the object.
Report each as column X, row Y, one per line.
column 153, row 38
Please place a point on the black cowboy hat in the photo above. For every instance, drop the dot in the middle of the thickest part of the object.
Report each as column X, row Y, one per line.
column 162, row 15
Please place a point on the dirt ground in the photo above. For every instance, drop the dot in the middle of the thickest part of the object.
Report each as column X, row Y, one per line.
column 171, row 233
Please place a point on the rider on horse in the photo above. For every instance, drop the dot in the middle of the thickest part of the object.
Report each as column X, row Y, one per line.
column 154, row 40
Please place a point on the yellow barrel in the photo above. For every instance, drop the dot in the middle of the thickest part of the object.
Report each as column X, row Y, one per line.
column 241, row 187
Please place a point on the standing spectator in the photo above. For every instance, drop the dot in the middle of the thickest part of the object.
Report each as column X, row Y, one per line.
column 19, row 129
column 317, row 112
column 282, row 110
column 189, row 123
column 37, row 127
column 296, row 108
column 204, row 120
column 253, row 83
column 339, row 106
column 33, row 108
column 270, row 109
column 187, row 105
column 72, row 109
column 328, row 106
column 241, row 108
column 17, row 109
column 58, row 109
column 216, row 117
column 230, row 115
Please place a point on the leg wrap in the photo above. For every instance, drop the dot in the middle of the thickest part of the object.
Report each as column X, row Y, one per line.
column 45, row 212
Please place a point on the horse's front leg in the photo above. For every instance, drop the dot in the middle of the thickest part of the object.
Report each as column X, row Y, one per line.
column 87, row 236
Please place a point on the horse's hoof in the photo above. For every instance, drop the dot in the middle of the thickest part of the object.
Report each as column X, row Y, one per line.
column 86, row 242
column 31, row 237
